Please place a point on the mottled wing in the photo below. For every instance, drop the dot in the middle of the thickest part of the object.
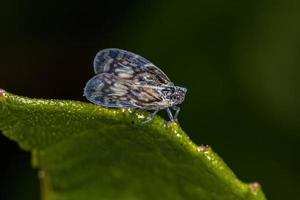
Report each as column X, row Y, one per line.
column 111, row 91
column 127, row 65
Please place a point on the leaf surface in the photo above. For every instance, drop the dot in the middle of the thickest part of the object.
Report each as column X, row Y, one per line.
column 84, row 151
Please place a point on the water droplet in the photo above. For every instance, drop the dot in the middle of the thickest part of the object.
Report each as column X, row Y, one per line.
column 203, row 148
column 41, row 174
column 254, row 186
column 2, row 93
column 178, row 135
column 140, row 116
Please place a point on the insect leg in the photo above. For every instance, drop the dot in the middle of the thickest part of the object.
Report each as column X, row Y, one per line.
column 170, row 114
column 177, row 109
column 150, row 118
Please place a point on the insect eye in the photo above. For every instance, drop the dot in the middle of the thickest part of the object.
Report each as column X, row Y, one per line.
column 174, row 97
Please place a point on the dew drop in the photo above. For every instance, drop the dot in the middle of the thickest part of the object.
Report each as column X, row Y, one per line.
column 203, row 148
column 254, row 186
column 2, row 93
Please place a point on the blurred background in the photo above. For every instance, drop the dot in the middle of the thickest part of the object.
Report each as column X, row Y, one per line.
column 240, row 61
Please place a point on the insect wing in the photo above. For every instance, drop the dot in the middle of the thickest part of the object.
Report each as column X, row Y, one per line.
column 106, row 57
column 106, row 90
column 127, row 65
column 111, row 91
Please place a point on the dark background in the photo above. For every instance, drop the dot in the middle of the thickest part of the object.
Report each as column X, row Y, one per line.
column 239, row 60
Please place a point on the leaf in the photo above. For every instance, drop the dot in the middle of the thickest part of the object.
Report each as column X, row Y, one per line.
column 90, row 152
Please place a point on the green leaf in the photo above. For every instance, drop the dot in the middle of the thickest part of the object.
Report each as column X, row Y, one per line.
column 90, row 152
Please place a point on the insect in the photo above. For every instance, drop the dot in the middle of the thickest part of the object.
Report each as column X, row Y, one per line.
column 127, row 80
